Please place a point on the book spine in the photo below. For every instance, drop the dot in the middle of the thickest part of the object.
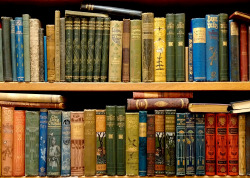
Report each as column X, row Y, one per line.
column 98, row 49
column 132, row 146
column 142, row 143
column 19, row 143
column 125, row 50
column 13, row 49
column 90, row 142
column 223, row 47
column 101, row 163
column 77, row 143
column 50, row 33
column 186, row 63
column 1, row 55
column 150, row 145
column 45, row 59
column 199, row 49
column 120, row 140
column 32, row 105
column 57, row 46
column 148, row 47
column 247, row 134
column 54, row 142
column 135, row 50
column 1, row 139
column 62, row 49
column 68, row 48
column 169, row 94
column 242, row 144
column 243, row 53
column 65, row 153
column 43, row 142
column 76, row 50
column 41, row 55
column 84, row 48
column 190, row 57
column 19, row 49
column 115, row 51
column 32, row 143
column 248, row 52
column 26, row 46
column 212, row 48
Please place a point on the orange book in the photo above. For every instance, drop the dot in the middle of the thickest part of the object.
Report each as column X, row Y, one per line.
column 19, row 143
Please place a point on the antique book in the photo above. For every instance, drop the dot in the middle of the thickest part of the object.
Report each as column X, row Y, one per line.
column 41, row 55
column 148, row 47
column 244, row 110
column 190, row 57
column 168, row 94
column 90, row 142
column 242, row 144
column 157, row 103
column 243, row 53
column 68, row 48
column 76, row 50
column 150, row 145
column 1, row 140
column 186, row 63
column 32, row 105
column 50, row 33
column 7, row 141
column 26, row 46
column 247, row 136
column 54, row 137
column 248, row 41
column 1, row 55
column 32, row 143
column 84, row 14
column 132, row 144
column 62, row 49
column 115, row 51
column 208, row 107
column 57, row 46
column 135, row 51
column 142, row 143
column 45, row 59
column 84, row 48
column 125, row 50
column 240, row 104
column 240, row 16
column 77, row 143
column 13, row 49
column 19, row 143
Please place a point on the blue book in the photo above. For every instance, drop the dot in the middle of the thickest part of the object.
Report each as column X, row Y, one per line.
column 43, row 142
column 13, row 49
column 142, row 143
column 200, row 144
column 65, row 167
column 190, row 57
column 19, row 49
column 212, row 48
column 45, row 59
column 199, row 49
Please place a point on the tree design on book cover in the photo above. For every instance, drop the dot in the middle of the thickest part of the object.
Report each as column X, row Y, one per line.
column 159, row 151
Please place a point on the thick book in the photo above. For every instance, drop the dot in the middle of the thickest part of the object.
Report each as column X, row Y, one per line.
column 157, row 103
column 243, row 53
column 190, row 57
column 68, row 48
column 83, row 50
column 1, row 55
column 168, row 94
column 32, row 105
column 242, row 144
column 125, row 50
column 150, row 144
column 26, row 46
column 62, row 49
column 247, row 136
column 45, row 59
column 84, row 14
column 240, row 104
column 142, row 143
column 41, row 55
column 76, row 49
column 57, row 46
column 208, row 107
column 13, row 49
column 50, row 33
column 240, row 16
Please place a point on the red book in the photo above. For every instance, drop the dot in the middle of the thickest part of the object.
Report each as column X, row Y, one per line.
column 150, row 145
column 19, row 143
column 232, row 145
column 210, row 125
column 243, row 53
column 221, row 144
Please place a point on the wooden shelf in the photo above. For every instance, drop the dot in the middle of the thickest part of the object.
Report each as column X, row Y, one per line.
column 169, row 86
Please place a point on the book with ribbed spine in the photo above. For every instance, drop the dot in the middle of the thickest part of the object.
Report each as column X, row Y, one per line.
column 32, row 105
column 45, row 59
column 1, row 55
column 62, row 49
column 168, row 94
column 68, row 48
column 142, row 143
column 247, row 133
column 50, row 33
column 84, row 14
column 84, row 48
column 76, row 50
column 243, row 53
column 150, row 145
column 41, row 55
column 190, row 57
column 13, row 49
column 125, row 50
column 57, row 46
column 242, row 144
column 26, row 46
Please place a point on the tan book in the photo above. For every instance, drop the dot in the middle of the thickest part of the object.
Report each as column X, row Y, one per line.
column 208, row 107
column 242, row 144
column 84, row 14
column 50, row 33
column 57, row 46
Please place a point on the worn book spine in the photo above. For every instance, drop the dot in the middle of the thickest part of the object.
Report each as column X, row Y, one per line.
column 32, row 105
column 168, row 94
column 43, row 127
column 41, row 55
column 98, row 49
column 1, row 55
column 50, row 33
column 120, row 140
column 105, row 49
column 13, row 49
column 76, row 50
column 57, row 46
column 62, row 49
column 125, row 50
column 186, row 63
column 68, row 48
column 170, row 128
column 132, row 144
column 115, row 51
column 26, row 46
column 148, row 47
column 77, row 143
column 19, row 143
column 54, row 137
column 135, row 51
column 84, row 48
column 247, row 134
column 65, row 153
column 223, row 47
column 32, row 143
column 242, row 144
column 45, row 59
column 142, row 143
column 243, row 53
column 7, row 141
column 90, row 142
column 190, row 57
column 150, row 145
column 101, row 162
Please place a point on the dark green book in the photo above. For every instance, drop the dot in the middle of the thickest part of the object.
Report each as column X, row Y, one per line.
column 223, row 47
column 1, row 55
column 26, row 46
column 76, row 49
column 68, row 48
column 120, row 140
column 54, row 143
column 170, row 50
column 179, row 47
column 111, row 140
column 98, row 49
column 32, row 143
column 91, row 49
column 84, row 48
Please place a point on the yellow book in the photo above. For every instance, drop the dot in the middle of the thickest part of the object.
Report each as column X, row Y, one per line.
column 242, row 144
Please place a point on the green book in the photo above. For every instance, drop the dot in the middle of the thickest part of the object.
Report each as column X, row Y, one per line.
column 84, row 48
column 120, row 140
column 68, row 48
column 26, row 46
column 1, row 55
column 132, row 144
column 32, row 143
column 54, row 142
column 170, row 50
column 62, row 50
column 76, row 49
column 179, row 47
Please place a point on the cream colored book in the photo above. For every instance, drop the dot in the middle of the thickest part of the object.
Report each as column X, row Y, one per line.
column 84, row 14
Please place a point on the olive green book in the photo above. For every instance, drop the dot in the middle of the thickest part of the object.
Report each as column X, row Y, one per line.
column 57, row 46
column 68, row 48
column 62, row 49
column 26, row 46
column 84, row 48
column 50, row 33
column 76, row 49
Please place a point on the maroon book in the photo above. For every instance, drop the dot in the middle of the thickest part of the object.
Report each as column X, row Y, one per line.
column 150, row 144
column 243, row 53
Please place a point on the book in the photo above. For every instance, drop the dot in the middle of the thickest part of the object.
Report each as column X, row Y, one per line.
column 168, row 94
column 186, row 63
column 41, row 55
column 26, row 46
column 50, row 33
column 1, row 140
column 240, row 16
column 244, row 110
column 242, row 144
column 84, row 14
column 150, row 144
column 76, row 50
column 208, row 107
column 125, row 50
column 13, row 49
column 32, row 105
column 247, row 133
column 68, row 48
column 84, row 48
column 1, row 55
column 45, row 59
column 190, row 57
column 240, row 104
column 248, row 41
column 243, row 53
column 62, row 49
column 57, row 47
column 142, row 143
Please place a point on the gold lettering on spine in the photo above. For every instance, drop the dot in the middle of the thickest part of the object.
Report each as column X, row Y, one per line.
column 142, row 129
column 199, row 35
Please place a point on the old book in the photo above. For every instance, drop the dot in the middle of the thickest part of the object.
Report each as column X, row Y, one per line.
column 50, row 33
column 76, row 50
column 142, row 143
column 243, row 53
column 77, row 143
column 115, row 51
column 247, row 132
column 135, row 51
column 19, row 143
column 186, row 63
column 32, row 143
column 240, row 16
column 84, row 14
column 248, row 41
column 84, row 48
column 90, row 142
column 240, row 104
column 54, row 137
column 125, row 50
column 45, row 59
column 26, row 46
column 160, row 49
column 132, row 144
column 244, row 110
column 190, row 57
column 1, row 55
column 208, row 107
column 57, row 46
column 32, row 105
column 7, row 141
column 157, row 103
column 68, row 48
column 13, row 49
column 148, row 47
column 168, row 94
column 150, row 145
column 1, row 140
column 41, row 55
column 62, row 49
column 242, row 144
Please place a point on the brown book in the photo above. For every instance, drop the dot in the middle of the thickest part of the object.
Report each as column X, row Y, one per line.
column 19, row 143
column 240, row 16
column 167, row 94
column 243, row 53
column 208, row 107
column 125, row 50
column 50, row 33
column 157, row 103
column 248, row 50
column 32, row 105
column 150, row 144
column 7, row 140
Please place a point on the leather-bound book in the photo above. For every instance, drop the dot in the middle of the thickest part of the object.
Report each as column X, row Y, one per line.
column 150, row 145
column 142, row 143
column 247, row 128
column 125, row 50
column 168, row 94
column 57, row 47
column 84, row 48
column 243, row 53
column 1, row 55
column 68, row 48
column 13, row 49
column 242, row 144
column 62, row 49
column 41, row 55
column 50, row 33
column 76, row 49
column 26, row 46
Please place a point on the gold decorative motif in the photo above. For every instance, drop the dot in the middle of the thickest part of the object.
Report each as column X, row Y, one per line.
column 161, row 104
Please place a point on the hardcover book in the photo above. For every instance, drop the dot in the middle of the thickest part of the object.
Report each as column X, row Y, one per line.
column 1, row 55
column 247, row 129
column 45, row 59
column 41, row 55
column 208, row 107
column 1, row 140
column 62, row 49
column 57, row 46
column 242, row 144
column 84, row 48
column 150, row 145
column 190, row 57
column 243, row 53
column 142, row 143
column 125, row 50
column 50, row 33
column 68, row 48
column 76, row 50
column 13, row 49
column 26, row 46
column 168, row 94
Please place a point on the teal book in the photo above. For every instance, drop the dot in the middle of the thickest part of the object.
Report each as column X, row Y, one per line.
column 26, row 46
column 68, row 48
column 76, row 49
column 1, row 55
column 142, row 143
column 13, row 49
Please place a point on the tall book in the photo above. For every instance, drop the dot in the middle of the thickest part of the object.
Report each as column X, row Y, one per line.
column 1, row 55
column 84, row 48
column 45, row 59
column 54, row 137
column 125, row 50
column 76, row 50
column 242, row 144
column 41, row 55
column 50, row 33
column 142, row 143
column 247, row 131
column 132, row 144
column 13, row 49
column 26, row 46
column 150, row 145
column 57, row 46
column 243, row 53
column 190, row 57
column 62, row 49
column 68, row 48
